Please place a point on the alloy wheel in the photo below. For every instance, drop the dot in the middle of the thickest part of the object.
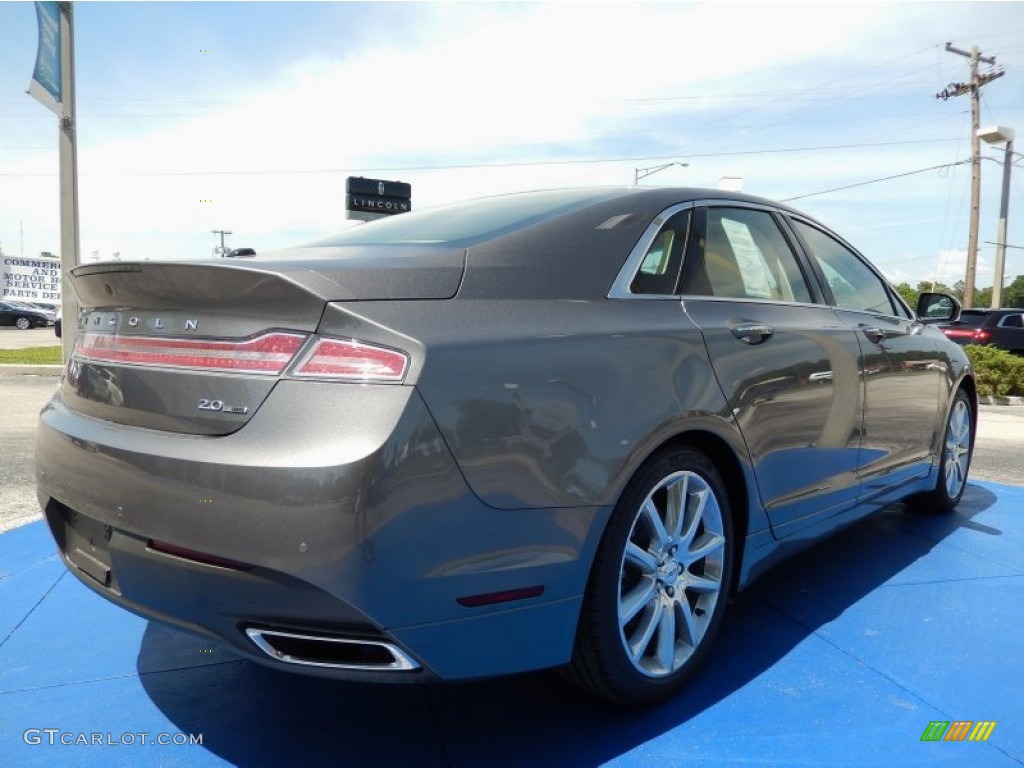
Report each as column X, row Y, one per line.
column 671, row 574
column 957, row 450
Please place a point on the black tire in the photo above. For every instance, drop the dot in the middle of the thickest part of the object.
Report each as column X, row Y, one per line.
column 955, row 462
column 23, row 323
column 686, row 572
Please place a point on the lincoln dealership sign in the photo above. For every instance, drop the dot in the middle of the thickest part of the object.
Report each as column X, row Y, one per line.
column 373, row 198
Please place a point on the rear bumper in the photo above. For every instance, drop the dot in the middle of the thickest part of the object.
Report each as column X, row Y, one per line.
column 349, row 519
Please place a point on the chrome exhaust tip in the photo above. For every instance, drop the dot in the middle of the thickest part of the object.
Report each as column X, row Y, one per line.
column 331, row 652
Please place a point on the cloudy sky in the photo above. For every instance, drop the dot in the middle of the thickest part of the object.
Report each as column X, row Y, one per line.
column 250, row 116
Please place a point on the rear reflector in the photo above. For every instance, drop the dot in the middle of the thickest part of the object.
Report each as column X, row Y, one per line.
column 269, row 353
column 505, row 596
column 352, row 361
column 199, row 557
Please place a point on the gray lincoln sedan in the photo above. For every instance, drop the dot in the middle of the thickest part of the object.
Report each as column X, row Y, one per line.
column 552, row 429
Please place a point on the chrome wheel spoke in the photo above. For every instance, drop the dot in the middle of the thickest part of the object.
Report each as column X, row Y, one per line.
column 689, row 624
column 666, row 645
column 703, row 585
column 678, row 493
column 645, row 629
column 704, row 546
column 695, row 517
column 643, row 560
column 631, row 604
column 657, row 527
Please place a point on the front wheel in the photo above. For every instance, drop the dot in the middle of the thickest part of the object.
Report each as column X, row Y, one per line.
column 957, row 447
column 659, row 584
column 23, row 323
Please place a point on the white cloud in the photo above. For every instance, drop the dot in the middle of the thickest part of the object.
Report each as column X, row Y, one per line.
column 483, row 83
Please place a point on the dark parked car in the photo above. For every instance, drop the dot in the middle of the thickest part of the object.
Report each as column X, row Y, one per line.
column 23, row 316
column 553, row 429
column 1002, row 328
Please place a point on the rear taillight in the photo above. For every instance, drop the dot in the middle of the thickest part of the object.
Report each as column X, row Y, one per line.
column 981, row 336
column 349, row 360
column 269, row 353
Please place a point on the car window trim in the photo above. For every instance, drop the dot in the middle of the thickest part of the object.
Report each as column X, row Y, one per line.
column 621, row 286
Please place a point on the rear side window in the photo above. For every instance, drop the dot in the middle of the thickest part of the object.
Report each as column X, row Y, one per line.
column 659, row 270
column 1012, row 321
column 854, row 285
column 745, row 256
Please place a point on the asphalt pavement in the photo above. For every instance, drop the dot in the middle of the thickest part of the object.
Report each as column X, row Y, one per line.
column 12, row 338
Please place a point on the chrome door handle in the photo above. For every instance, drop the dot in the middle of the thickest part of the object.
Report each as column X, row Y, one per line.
column 874, row 334
column 752, row 333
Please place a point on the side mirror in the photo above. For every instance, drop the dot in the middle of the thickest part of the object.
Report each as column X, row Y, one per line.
column 937, row 307
column 56, row 327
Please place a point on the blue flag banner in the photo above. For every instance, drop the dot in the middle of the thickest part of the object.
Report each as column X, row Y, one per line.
column 45, row 84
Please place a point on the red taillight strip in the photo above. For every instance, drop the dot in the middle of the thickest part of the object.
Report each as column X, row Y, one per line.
column 269, row 353
column 349, row 360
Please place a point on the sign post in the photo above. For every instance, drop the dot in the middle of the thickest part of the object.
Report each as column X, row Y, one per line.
column 53, row 84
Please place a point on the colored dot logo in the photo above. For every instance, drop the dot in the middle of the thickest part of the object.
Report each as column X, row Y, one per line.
column 206, row 50
column 205, row 200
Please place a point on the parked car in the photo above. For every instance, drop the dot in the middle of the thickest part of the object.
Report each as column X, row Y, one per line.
column 551, row 429
column 22, row 316
column 1002, row 328
column 45, row 306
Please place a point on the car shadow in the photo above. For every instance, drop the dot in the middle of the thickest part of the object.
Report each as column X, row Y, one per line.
column 250, row 715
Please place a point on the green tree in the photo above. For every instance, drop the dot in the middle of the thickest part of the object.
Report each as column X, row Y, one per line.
column 1013, row 294
column 908, row 293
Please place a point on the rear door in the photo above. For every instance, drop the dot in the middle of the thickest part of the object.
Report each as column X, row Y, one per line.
column 788, row 366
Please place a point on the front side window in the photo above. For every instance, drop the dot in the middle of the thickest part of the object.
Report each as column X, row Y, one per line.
column 853, row 284
column 745, row 256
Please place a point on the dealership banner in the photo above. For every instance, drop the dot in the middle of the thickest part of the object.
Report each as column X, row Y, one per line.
column 30, row 279
column 45, row 84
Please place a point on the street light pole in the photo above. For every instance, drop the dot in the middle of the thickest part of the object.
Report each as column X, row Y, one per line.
column 996, row 135
column 643, row 173
column 1004, row 207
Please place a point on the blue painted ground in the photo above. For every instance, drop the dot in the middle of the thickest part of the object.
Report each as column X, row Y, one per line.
column 839, row 658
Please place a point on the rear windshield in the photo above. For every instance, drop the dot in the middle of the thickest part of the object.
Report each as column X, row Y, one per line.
column 465, row 222
column 972, row 318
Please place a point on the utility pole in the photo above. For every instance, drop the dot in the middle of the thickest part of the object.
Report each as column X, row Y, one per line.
column 974, row 88
column 222, row 232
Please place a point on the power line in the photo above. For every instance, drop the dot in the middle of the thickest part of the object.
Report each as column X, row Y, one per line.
column 505, row 164
column 875, row 181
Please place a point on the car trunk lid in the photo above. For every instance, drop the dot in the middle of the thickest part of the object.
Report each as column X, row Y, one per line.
column 196, row 347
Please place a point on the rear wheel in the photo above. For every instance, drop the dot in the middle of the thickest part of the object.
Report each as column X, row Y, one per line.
column 23, row 323
column 957, row 447
column 659, row 584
